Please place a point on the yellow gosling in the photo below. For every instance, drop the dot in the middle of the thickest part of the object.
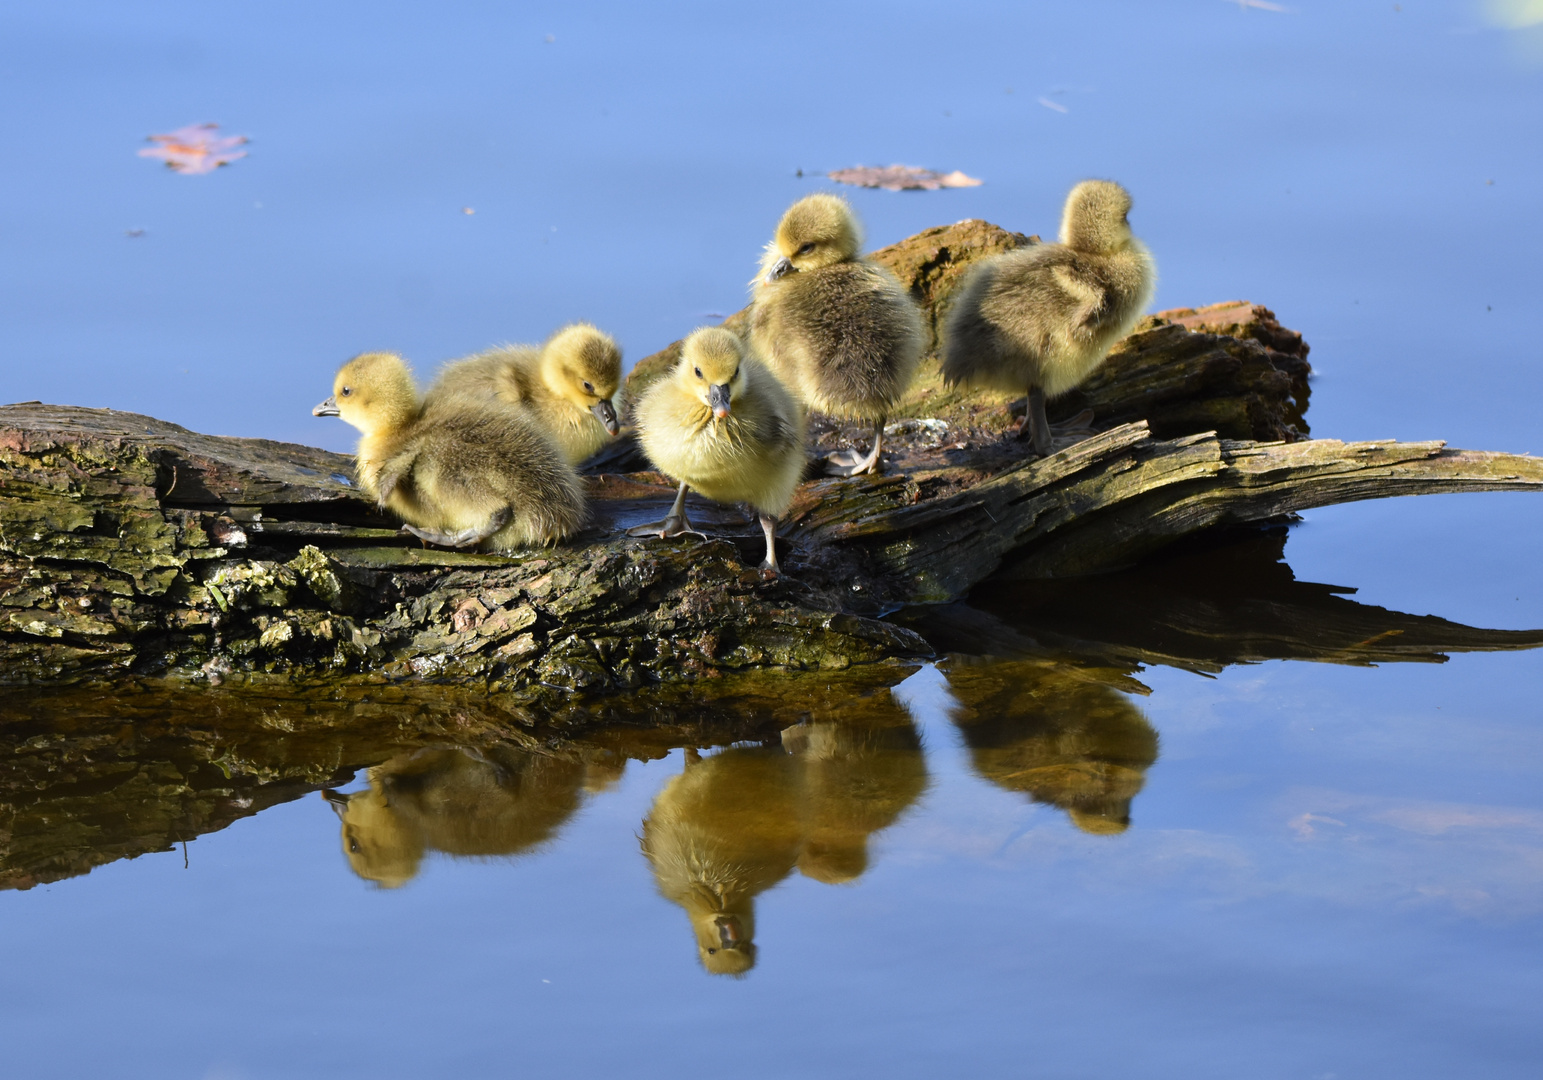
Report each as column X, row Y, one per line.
column 568, row 386
column 840, row 331
column 462, row 475
column 1043, row 318
column 723, row 425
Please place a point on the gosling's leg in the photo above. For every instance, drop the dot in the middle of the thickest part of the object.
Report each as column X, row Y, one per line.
column 769, row 567
column 1036, row 427
column 675, row 523
column 466, row 538
column 847, row 463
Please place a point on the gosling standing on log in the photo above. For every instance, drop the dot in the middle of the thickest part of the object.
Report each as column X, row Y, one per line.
column 462, row 475
column 723, row 424
column 841, row 332
column 1042, row 318
column 567, row 386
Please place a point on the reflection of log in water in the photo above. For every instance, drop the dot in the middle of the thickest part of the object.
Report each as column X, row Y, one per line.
column 454, row 801
column 1056, row 735
column 734, row 824
column 1233, row 600
column 90, row 776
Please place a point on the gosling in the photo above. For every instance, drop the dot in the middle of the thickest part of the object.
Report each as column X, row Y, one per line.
column 568, row 386
column 840, row 331
column 723, row 425
column 464, row 475
column 1043, row 318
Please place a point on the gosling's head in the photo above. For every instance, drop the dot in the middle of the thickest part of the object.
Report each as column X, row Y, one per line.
column 374, row 392
column 1094, row 218
column 723, row 940
column 712, row 366
column 380, row 847
column 818, row 230
column 583, row 365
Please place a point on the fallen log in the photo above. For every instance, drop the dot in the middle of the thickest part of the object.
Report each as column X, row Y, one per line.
column 133, row 547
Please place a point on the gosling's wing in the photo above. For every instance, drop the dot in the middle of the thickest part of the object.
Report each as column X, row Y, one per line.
column 396, row 472
column 1087, row 298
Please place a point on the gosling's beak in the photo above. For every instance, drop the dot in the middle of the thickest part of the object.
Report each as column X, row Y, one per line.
column 338, row 800
column 606, row 413
column 718, row 399
column 728, row 933
column 326, row 408
column 780, row 268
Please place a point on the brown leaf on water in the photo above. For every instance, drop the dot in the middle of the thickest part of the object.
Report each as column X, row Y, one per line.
column 195, row 149
column 902, row 178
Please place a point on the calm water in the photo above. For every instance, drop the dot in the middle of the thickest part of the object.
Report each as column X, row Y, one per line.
column 1329, row 871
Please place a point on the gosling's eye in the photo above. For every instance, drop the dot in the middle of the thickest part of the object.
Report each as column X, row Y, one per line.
column 712, row 952
column 588, row 389
column 347, row 390
column 698, row 372
column 806, row 249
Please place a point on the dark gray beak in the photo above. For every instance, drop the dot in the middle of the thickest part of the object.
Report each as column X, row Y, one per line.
column 326, row 408
column 781, row 268
column 338, row 800
column 718, row 399
column 728, row 933
column 606, row 413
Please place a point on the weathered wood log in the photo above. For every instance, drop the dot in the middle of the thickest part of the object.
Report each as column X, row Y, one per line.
column 129, row 546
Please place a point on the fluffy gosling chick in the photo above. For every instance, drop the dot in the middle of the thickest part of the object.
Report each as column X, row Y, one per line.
column 723, row 425
column 1042, row 318
column 568, row 385
column 461, row 475
column 840, row 331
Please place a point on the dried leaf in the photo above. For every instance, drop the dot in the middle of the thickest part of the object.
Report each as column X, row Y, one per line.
column 195, row 149
column 902, row 178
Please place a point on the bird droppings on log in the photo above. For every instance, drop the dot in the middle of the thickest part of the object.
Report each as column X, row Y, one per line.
column 131, row 547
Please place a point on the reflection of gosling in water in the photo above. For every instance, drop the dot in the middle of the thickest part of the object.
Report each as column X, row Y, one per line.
column 723, row 831
column 455, row 801
column 840, row 331
column 1042, row 318
column 460, row 475
column 857, row 780
column 568, row 385
column 1036, row 728
column 723, row 425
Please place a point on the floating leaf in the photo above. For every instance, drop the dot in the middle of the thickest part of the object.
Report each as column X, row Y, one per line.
column 195, row 148
column 902, row 178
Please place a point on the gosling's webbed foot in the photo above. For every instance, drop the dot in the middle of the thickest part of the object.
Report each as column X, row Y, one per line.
column 462, row 539
column 850, row 463
column 673, row 525
column 465, row 538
